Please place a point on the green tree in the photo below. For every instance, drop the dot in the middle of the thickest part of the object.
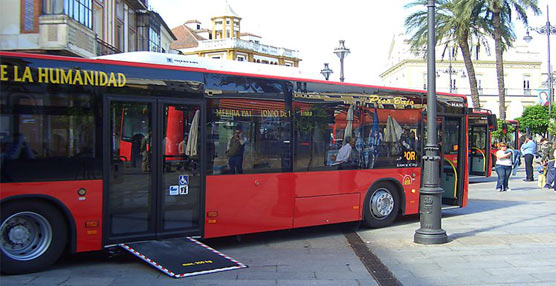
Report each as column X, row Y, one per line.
column 456, row 22
column 499, row 135
column 535, row 118
column 500, row 16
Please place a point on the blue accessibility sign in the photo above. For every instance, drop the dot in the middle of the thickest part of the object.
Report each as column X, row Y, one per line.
column 183, row 180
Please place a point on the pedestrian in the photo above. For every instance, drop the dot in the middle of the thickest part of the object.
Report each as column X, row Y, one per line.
column 528, row 149
column 546, row 151
column 516, row 161
column 503, row 167
column 551, row 170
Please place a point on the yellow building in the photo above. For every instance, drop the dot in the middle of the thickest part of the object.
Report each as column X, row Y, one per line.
column 226, row 41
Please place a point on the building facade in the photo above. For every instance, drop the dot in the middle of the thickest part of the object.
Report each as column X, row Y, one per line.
column 224, row 40
column 83, row 28
column 523, row 72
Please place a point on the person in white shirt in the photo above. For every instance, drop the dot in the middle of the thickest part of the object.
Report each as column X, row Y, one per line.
column 503, row 167
column 344, row 154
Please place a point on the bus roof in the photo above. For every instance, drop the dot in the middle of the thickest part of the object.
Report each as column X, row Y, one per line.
column 173, row 61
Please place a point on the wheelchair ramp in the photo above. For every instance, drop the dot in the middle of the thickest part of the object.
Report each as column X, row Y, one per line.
column 182, row 257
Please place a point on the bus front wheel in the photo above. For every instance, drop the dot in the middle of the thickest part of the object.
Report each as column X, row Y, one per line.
column 382, row 204
column 33, row 236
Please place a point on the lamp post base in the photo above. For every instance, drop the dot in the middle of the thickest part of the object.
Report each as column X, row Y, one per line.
column 430, row 236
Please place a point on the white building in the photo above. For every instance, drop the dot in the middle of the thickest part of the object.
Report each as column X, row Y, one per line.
column 524, row 78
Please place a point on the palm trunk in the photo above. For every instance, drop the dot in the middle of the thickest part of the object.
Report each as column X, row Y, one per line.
column 499, row 61
column 464, row 46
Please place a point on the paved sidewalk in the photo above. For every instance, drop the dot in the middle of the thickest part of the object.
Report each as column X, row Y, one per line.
column 504, row 238
column 309, row 256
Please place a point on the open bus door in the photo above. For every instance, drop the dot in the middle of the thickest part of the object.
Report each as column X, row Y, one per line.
column 451, row 142
column 452, row 177
column 481, row 125
column 155, row 184
column 152, row 190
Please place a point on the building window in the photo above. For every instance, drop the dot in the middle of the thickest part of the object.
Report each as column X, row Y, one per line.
column 154, row 41
column 148, row 33
column 81, row 11
column 526, row 88
column 240, row 58
column 98, row 26
column 131, row 31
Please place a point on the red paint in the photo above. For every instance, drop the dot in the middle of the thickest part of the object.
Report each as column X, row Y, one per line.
column 326, row 209
column 66, row 192
column 251, row 203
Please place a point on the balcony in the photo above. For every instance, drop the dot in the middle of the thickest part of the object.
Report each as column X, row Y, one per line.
column 246, row 45
column 59, row 32
column 104, row 48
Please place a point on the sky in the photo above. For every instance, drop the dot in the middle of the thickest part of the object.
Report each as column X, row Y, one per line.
column 314, row 28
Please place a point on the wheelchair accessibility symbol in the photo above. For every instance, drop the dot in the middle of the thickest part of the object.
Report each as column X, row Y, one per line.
column 183, row 180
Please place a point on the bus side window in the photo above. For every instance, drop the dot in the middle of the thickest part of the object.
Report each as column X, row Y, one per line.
column 248, row 136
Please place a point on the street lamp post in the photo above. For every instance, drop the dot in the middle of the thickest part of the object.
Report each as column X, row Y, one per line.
column 341, row 52
column 326, row 71
column 548, row 30
column 430, row 196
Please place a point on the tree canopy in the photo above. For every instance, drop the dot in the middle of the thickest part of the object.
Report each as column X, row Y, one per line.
column 536, row 119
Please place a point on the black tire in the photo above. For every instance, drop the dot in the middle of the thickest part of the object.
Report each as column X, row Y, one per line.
column 33, row 236
column 382, row 205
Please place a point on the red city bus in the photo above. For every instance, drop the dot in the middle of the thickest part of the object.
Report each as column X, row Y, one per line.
column 481, row 123
column 98, row 152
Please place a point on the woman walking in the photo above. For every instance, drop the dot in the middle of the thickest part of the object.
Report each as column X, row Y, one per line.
column 503, row 167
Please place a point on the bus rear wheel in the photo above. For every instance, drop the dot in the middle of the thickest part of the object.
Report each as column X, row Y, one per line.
column 33, row 236
column 382, row 204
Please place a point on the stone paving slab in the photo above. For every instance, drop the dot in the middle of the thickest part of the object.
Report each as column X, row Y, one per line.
column 309, row 256
column 504, row 238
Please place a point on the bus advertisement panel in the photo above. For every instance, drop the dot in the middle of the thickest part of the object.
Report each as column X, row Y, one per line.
column 96, row 152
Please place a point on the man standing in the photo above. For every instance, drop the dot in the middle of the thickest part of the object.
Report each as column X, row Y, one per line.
column 528, row 149
column 235, row 152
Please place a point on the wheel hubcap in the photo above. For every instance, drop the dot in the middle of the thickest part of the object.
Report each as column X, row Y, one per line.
column 25, row 236
column 382, row 203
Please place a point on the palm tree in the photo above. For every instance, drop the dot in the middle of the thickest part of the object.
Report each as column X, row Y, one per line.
column 456, row 22
column 500, row 15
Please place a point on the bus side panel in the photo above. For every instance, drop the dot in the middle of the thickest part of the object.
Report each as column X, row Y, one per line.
column 82, row 208
column 327, row 209
column 312, row 184
column 248, row 203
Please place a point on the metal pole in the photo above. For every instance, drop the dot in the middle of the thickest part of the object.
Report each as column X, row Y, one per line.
column 341, row 52
column 342, row 69
column 450, row 70
column 430, row 196
column 548, row 32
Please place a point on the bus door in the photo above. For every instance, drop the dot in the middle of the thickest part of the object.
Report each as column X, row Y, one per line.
column 479, row 150
column 452, row 153
column 153, row 177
